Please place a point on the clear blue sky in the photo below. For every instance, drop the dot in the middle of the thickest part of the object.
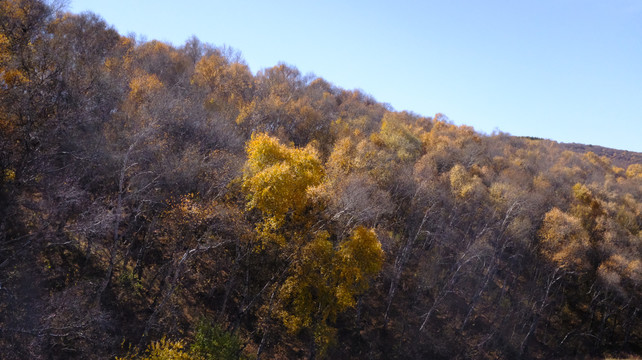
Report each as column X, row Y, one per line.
column 567, row 70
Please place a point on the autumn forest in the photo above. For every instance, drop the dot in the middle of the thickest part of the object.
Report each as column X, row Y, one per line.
column 164, row 202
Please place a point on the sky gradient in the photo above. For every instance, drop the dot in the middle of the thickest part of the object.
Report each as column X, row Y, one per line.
column 566, row 70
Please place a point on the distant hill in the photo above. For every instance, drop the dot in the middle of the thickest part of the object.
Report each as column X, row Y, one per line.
column 621, row 158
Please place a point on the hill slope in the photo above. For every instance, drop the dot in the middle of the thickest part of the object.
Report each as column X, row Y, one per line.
column 163, row 198
column 621, row 158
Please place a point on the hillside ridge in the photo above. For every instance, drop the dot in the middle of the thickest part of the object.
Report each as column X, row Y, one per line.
column 621, row 158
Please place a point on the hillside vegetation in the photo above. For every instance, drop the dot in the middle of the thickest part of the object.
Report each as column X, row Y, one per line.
column 621, row 158
column 161, row 202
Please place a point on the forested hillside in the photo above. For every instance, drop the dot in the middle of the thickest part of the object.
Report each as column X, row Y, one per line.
column 621, row 158
column 161, row 202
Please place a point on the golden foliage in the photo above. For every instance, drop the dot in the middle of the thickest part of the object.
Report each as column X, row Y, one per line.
column 619, row 272
column 634, row 171
column 229, row 85
column 588, row 207
column 361, row 258
column 209, row 70
column 14, row 77
column 341, row 161
column 143, row 86
column 9, row 175
column 163, row 349
column 563, row 240
column 399, row 137
column 325, row 281
column 464, row 184
column 277, row 177
column 600, row 161
column 308, row 292
column 4, row 50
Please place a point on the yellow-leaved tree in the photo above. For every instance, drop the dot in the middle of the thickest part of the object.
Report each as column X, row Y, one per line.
column 563, row 240
column 228, row 85
column 276, row 179
column 325, row 273
column 163, row 349
column 326, row 280
column 360, row 259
